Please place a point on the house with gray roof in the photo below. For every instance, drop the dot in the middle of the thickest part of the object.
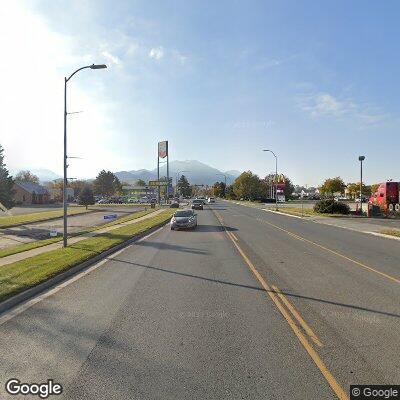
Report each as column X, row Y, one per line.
column 30, row 193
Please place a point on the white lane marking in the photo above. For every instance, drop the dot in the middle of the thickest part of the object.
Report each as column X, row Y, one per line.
column 13, row 312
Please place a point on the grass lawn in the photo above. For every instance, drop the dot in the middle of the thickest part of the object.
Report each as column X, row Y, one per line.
column 9, row 222
column 40, row 243
column 391, row 232
column 307, row 212
column 22, row 275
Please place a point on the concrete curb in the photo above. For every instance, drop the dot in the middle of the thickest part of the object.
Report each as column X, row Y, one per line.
column 21, row 297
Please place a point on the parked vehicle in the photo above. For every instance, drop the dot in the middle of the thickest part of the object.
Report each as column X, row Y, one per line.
column 197, row 204
column 386, row 198
column 184, row 219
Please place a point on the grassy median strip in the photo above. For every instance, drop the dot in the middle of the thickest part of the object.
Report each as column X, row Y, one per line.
column 9, row 222
column 391, row 232
column 22, row 275
column 40, row 243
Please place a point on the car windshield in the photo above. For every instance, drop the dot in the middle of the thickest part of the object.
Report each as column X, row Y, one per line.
column 185, row 213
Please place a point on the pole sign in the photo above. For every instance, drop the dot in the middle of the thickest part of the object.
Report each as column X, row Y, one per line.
column 158, row 183
column 163, row 149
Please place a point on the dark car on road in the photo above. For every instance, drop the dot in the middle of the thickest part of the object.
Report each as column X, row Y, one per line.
column 197, row 204
column 184, row 219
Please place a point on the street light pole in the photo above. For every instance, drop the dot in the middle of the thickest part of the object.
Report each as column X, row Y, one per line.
column 65, row 179
column 361, row 159
column 276, row 178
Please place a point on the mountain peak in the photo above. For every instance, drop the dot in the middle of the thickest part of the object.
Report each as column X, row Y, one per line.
column 196, row 171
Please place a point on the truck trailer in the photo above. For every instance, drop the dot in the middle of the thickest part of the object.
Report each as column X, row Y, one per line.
column 386, row 200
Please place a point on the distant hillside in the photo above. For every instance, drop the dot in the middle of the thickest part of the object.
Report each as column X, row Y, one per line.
column 44, row 175
column 197, row 173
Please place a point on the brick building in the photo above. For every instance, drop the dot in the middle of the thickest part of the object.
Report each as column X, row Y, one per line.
column 30, row 193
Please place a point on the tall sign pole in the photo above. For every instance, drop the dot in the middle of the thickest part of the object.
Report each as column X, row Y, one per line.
column 158, row 179
column 167, row 175
column 162, row 153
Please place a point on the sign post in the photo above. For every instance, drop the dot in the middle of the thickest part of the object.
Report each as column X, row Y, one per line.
column 162, row 153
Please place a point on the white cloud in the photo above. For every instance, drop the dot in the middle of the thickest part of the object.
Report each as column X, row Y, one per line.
column 114, row 59
column 157, row 53
column 326, row 105
column 181, row 58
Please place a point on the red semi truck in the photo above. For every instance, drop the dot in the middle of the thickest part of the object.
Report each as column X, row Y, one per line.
column 386, row 199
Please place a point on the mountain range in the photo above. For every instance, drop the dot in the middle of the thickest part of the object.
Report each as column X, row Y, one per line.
column 196, row 172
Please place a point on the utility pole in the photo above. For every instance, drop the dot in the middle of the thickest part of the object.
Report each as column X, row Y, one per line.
column 361, row 159
column 276, row 178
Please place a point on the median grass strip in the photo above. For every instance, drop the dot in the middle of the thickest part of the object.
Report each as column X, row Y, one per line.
column 391, row 232
column 40, row 243
column 11, row 221
column 22, row 275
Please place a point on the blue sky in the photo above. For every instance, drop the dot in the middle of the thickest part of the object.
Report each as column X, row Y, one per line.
column 314, row 81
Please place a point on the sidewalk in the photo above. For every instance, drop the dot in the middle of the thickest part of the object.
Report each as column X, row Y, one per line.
column 54, row 246
column 360, row 224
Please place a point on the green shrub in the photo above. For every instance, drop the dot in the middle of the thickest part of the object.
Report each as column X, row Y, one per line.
column 330, row 206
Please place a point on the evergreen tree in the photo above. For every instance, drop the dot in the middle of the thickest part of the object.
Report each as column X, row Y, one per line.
column 6, row 183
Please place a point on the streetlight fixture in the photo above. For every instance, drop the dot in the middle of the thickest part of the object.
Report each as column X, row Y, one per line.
column 361, row 159
column 276, row 178
column 65, row 180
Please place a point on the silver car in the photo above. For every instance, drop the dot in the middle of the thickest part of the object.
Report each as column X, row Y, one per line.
column 184, row 219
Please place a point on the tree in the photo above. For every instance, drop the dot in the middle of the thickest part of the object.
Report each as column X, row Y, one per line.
column 270, row 179
column 140, row 182
column 229, row 193
column 26, row 176
column 6, row 183
column 331, row 186
column 247, row 186
column 218, row 189
column 374, row 188
column 184, row 187
column 353, row 189
column 86, row 197
column 79, row 185
column 106, row 184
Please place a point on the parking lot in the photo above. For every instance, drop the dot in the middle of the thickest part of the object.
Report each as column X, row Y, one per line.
column 77, row 223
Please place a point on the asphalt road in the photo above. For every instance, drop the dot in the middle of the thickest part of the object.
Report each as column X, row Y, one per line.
column 185, row 315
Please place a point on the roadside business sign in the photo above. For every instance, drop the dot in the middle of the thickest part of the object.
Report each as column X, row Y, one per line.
column 163, row 149
column 110, row 216
column 158, row 183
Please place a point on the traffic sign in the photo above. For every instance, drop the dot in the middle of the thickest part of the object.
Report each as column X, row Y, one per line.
column 110, row 216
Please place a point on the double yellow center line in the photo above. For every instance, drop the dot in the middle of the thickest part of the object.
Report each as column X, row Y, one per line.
column 287, row 312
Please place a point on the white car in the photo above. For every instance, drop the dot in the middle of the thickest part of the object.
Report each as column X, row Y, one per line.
column 211, row 200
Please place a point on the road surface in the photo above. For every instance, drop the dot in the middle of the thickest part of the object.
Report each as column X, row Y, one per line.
column 264, row 307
